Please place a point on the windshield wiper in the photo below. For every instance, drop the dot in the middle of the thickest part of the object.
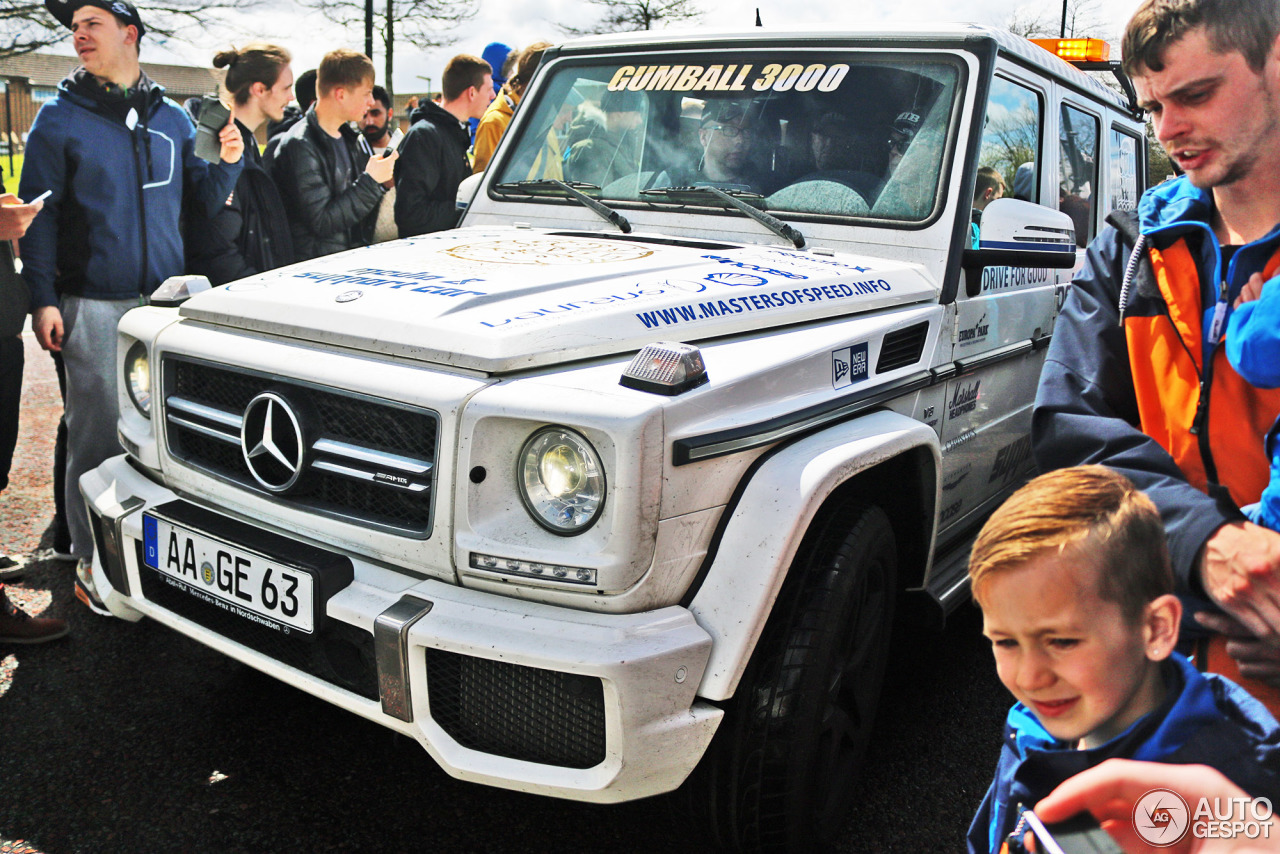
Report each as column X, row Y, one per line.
column 554, row 187
column 734, row 199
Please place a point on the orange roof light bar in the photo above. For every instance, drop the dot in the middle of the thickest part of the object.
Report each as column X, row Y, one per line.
column 1077, row 50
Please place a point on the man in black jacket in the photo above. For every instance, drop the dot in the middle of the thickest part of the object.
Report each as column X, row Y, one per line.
column 434, row 151
column 329, row 181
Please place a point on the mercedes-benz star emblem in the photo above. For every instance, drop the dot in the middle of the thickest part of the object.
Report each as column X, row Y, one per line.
column 271, row 441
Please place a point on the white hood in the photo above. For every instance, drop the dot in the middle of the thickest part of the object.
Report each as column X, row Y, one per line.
column 503, row 299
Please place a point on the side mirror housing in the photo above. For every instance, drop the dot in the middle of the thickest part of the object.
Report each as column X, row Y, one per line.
column 1014, row 233
column 467, row 191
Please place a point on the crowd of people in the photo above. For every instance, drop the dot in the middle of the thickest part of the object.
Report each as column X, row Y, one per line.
column 1108, row 585
column 121, row 209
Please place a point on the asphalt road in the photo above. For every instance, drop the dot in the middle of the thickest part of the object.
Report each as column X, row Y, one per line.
column 130, row 737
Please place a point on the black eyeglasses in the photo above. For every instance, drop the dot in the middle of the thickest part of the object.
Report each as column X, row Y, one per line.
column 729, row 131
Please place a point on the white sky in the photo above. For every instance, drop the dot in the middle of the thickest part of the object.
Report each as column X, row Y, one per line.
column 309, row 36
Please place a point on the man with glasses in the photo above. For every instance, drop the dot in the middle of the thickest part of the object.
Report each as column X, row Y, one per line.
column 728, row 142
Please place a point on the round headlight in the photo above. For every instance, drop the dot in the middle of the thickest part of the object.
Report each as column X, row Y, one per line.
column 137, row 377
column 561, row 480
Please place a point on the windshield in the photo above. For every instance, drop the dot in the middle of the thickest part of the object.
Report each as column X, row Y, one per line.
column 862, row 137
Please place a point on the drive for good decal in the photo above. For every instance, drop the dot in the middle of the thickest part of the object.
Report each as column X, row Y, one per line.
column 547, row 251
column 1006, row 278
column 849, row 365
column 764, row 77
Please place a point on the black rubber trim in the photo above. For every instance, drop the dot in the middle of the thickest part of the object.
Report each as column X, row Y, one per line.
column 921, row 379
column 987, row 51
column 723, row 442
column 1008, row 351
column 942, row 373
column 713, row 547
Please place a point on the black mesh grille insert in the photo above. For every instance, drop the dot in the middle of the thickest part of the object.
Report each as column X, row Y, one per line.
column 519, row 712
column 340, row 654
column 379, row 426
column 902, row 347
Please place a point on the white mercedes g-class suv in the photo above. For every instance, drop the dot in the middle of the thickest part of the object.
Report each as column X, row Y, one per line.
column 626, row 476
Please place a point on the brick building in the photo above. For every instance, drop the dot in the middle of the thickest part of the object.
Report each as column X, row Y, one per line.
column 30, row 79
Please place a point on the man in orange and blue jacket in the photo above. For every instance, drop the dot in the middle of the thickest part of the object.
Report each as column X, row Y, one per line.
column 1137, row 376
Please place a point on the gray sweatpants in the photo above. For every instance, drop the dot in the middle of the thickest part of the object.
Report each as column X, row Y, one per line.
column 89, row 355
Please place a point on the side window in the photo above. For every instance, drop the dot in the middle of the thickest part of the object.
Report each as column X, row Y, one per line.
column 1078, row 151
column 1011, row 138
column 1124, row 171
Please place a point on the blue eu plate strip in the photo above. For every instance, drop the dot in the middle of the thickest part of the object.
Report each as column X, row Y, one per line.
column 150, row 548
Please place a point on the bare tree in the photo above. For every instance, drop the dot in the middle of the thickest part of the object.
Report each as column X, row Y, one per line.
column 27, row 27
column 625, row 16
column 425, row 24
column 1044, row 20
column 1009, row 141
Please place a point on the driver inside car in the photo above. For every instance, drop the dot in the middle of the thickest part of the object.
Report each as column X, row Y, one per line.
column 728, row 141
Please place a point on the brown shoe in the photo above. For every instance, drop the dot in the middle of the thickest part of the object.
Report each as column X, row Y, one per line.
column 17, row 626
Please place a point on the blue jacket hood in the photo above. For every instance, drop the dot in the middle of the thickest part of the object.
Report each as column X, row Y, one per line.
column 1195, row 706
column 1173, row 202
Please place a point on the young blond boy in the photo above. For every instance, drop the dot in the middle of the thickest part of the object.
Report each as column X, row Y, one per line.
column 1076, row 590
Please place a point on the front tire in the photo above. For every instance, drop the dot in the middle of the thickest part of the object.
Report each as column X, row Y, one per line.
column 780, row 774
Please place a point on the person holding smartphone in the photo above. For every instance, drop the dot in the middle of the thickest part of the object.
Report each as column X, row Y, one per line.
column 118, row 160
column 16, row 626
column 329, row 179
column 250, row 232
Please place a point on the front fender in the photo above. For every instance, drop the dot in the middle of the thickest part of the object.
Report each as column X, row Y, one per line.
column 768, row 523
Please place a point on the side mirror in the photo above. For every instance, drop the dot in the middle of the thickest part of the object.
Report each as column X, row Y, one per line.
column 467, row 191
column 176, row 290
column 1015, row 233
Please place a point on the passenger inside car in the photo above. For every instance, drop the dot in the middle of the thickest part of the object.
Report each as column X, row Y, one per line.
column 611, row 151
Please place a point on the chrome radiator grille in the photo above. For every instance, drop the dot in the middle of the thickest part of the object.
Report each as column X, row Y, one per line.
column 340, row 454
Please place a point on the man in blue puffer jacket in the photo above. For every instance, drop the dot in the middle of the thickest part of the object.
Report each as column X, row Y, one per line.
column 115, row 156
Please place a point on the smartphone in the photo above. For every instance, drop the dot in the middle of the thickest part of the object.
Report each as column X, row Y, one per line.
column 213, row 117
column 1080, row 834
column 40, row 198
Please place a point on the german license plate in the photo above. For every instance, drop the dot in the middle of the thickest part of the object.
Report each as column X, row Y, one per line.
column 252, row 585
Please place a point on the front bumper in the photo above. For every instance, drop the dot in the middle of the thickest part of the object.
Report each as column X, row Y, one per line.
column 522, row 695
